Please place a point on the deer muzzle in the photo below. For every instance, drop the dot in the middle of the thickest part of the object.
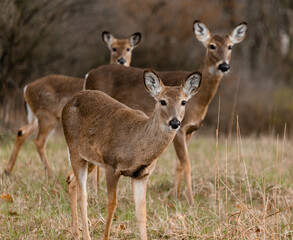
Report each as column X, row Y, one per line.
column 224, row 67
column 121, row 61
column 174, row 123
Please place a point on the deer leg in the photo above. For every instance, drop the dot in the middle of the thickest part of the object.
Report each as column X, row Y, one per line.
column 72, row 192
column 178, row 176
column 139, row 187
column 80, row 169
column 183, row 165
column 178, row 166
column 22, row 134
column 112, row 181
column 45, row 128
column 98, row 177
column 95, row 175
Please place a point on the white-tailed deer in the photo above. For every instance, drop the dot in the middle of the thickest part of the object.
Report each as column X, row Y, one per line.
column 120, row 83
column 121, row 49
column 46, row 97
column 101, row 131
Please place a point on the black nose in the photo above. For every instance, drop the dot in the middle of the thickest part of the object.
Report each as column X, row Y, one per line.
column 224, row 67
column 121, row 61
column 174, row 123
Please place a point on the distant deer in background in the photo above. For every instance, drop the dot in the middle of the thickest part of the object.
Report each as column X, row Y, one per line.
column 46, row 97
column 121, row 49
column 121, row 84
column 101, row 131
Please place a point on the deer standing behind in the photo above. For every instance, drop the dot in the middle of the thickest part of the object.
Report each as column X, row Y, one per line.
column 109, row 79
column 46, row 97
column 101, row 131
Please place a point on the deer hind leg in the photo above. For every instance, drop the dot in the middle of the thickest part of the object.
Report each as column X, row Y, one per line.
column 112, row 181
column 183, row 165
column 22, row 134
column 46, row 126
column 80, row 169
column 73, row 192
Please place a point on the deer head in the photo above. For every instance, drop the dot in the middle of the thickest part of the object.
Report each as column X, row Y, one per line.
column 171, row 100
column 219, row 48
column 121, row 49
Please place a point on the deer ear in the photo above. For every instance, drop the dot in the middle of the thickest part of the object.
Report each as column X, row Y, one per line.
column 201, row 32
column 192, row 84
column 238, row 33
column 134, row 39
column 152, row 83
column 108, row 38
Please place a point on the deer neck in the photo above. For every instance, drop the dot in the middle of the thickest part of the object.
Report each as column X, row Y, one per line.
column 154, row 136
column 211, row 78
column 156, row 130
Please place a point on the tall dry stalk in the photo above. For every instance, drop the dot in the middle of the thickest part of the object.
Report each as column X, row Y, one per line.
column 217, row 173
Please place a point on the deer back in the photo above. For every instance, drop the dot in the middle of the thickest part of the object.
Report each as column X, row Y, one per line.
column 123, row 85
column 51, row 93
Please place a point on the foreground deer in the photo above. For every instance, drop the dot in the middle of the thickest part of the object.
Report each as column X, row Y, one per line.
column 108, row 79
column 46, row 97
column 102, row 131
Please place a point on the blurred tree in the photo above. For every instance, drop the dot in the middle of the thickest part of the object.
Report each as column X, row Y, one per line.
column 24, row 27
column 38, row 37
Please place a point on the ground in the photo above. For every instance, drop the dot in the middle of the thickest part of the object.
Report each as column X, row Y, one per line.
column 243, row 189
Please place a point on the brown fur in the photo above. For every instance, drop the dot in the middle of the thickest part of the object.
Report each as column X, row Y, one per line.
column 121, row 84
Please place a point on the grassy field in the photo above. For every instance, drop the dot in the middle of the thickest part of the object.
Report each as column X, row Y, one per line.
column 243, row 189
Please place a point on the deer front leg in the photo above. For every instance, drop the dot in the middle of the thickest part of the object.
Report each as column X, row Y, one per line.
column 98, row 177
column 139, row 187
column 183, row 165
column 139, row 194
column 93, row 182
column 112, row 181
column 22, row 134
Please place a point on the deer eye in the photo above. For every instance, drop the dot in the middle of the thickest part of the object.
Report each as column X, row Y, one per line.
column 183, row 103
column 163, row 102
column 114, row 49
column 128, row 49
column 212, row 46
column 230, row 47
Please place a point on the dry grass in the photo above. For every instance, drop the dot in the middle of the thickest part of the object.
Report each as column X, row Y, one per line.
column 243, row 190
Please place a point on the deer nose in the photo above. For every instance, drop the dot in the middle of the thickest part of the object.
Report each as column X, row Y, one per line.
column 121, row 61
column 174, row 123
column 224, row 67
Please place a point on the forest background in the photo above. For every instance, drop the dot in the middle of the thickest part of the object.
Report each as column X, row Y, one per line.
column 38, row 38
